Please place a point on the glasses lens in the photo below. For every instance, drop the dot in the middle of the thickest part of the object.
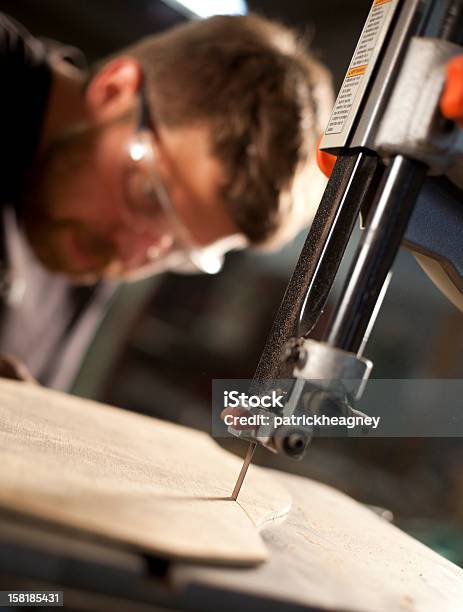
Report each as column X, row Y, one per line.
column 142, row 197
column 148, row 203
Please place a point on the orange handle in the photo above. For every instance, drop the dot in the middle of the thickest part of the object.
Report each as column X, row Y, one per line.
column 451, row 102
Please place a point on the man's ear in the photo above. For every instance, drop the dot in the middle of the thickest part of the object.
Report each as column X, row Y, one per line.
column 113, row 88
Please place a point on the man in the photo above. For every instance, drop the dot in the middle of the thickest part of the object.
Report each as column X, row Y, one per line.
column 167, row 155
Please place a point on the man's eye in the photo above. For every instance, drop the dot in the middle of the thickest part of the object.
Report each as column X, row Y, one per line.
column 150, row 204
column 143, row 199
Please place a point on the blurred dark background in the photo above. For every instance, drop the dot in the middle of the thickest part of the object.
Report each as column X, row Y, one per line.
column 165, row 339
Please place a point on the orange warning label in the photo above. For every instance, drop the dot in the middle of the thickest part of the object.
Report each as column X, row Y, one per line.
column 357, row 70
column 379, row 2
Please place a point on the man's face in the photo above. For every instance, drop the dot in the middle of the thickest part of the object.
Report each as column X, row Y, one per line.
column 78, row 210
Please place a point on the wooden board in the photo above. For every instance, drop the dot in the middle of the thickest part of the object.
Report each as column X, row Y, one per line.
column 332, row 553
column 150, row 484
column 162, row 488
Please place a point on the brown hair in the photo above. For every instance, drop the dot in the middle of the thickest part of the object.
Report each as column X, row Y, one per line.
column 265, row 99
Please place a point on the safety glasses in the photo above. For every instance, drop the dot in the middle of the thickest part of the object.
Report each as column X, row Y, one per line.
column 150, row 206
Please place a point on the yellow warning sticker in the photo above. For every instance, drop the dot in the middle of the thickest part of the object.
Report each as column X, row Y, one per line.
column 379, row 2
column 357, row 70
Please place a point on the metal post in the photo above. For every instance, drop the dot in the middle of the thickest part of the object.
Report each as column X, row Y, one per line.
column 375, row 254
